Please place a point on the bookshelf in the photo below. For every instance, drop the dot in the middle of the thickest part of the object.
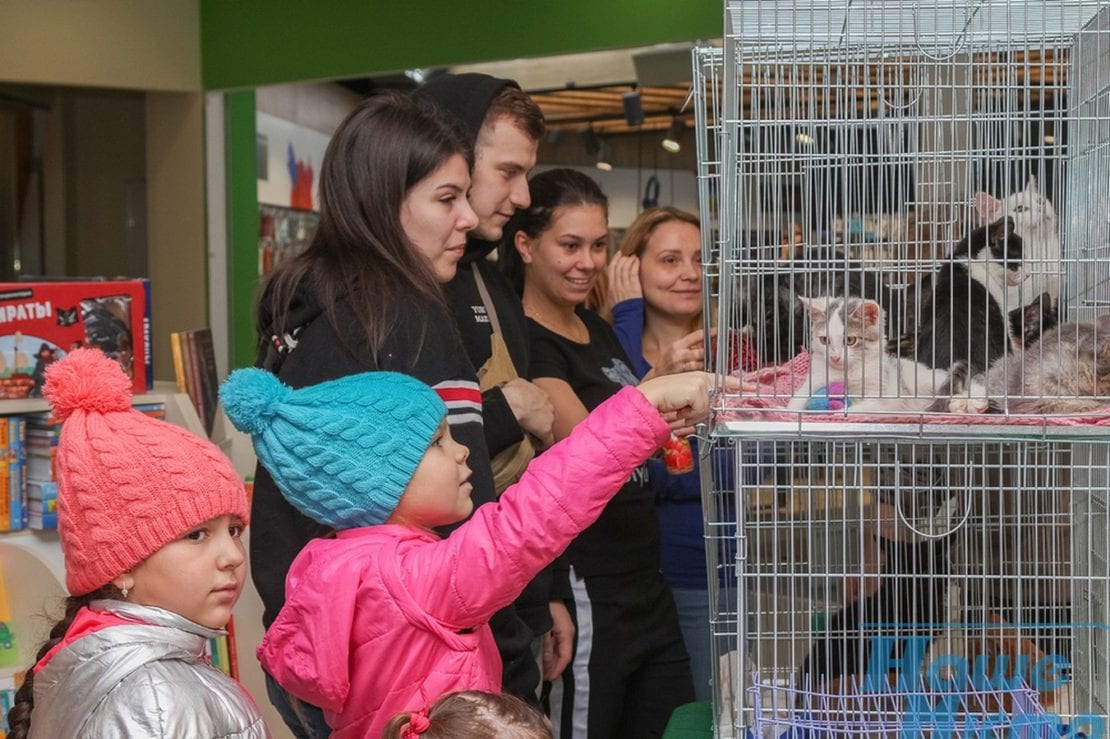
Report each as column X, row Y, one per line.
column 35, row 573
column 33, row 568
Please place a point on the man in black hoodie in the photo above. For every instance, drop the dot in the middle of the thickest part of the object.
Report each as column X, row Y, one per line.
column 505, row 126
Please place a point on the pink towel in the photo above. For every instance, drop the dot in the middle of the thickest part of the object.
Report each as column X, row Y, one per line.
column 777, row 386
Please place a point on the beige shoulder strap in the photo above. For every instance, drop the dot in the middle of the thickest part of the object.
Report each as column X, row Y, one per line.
column 495, row 325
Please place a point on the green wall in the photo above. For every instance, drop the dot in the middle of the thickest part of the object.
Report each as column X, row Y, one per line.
column 249, row 43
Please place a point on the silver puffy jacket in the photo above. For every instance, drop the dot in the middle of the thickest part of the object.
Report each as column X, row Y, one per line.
column 148, row 680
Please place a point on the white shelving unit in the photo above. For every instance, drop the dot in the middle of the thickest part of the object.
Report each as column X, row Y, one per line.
column 33, row 568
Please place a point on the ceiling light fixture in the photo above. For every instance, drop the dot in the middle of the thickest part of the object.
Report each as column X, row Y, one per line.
column 672, row 141
column 633, row 108
column 604, row 156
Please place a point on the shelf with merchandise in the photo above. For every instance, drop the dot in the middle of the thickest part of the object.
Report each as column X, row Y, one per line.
column 33, row 569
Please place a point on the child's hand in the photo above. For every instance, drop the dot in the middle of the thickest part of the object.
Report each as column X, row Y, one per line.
column 682, row 399
column 559, row 642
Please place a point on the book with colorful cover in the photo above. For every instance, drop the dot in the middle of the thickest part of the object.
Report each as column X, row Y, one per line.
column 180, row 371
column 232, row 650
column 5, row 480
column 218, row 654
column 154, row 410
column 7, row 700
column 193, row 371
column 196, row 372
column 209, row 376
column 17, row 487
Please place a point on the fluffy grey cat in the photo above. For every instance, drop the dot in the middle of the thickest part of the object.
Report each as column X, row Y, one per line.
column 1066, row 371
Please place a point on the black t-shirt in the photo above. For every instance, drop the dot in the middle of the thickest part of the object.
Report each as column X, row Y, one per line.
column 626, row 537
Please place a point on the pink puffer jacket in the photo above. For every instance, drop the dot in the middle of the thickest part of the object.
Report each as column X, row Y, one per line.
column 385, row 619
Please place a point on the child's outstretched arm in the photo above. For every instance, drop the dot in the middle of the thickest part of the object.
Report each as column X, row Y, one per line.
column 562, row 492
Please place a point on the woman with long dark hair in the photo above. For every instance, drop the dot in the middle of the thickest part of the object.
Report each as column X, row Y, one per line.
column 366, row 295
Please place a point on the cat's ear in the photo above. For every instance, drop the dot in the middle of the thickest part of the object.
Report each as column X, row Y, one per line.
column 1001, row 229
column 815, row 307
column 1031, row 183
column 868, row 311
column 1033, row 314
column 987, row 207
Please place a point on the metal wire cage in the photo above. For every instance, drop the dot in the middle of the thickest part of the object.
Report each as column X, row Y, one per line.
column 864, row 147
column 917, row 567
column 854, row 573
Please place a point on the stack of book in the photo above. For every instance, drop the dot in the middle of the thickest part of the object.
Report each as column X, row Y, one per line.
column 42, row 486
column 194, row 365
column 13, row 492
column 221, row 650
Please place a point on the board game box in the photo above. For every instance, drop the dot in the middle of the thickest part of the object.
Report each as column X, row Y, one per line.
column 40, row 322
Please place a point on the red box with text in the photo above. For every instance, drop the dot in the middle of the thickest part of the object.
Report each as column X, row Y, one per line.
column 40, row 322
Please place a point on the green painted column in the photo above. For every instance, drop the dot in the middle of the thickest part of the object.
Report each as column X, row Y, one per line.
column 242, row 225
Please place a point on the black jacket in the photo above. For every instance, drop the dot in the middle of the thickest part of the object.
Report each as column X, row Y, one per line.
column 464, row 301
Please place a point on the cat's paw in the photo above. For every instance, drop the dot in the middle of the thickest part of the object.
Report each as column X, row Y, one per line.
column 966, row 405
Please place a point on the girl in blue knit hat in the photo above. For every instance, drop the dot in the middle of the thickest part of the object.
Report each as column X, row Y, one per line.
column 387, row 616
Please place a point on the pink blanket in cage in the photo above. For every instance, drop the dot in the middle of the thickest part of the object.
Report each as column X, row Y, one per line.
column 776, row 385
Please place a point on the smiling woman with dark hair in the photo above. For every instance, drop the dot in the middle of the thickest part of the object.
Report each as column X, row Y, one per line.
column 629, row 669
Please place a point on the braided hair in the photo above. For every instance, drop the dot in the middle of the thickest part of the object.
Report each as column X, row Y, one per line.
column 19, row 715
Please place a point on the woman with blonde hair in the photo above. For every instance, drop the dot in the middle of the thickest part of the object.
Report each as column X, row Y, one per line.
column 655, row 294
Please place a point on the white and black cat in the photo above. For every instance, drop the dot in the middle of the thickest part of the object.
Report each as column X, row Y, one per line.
column 961, row 317
column 1066, row 371
column 1035, row 222
column 848, row 345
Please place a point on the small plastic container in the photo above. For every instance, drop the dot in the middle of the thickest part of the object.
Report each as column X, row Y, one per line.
column 678, row 456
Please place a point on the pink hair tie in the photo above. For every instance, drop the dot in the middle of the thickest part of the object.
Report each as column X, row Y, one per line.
column 417, row 725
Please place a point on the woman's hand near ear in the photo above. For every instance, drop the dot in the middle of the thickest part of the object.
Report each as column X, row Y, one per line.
column 624, row 280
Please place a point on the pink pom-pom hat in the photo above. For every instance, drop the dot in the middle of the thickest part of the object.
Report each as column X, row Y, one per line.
column 128, row 484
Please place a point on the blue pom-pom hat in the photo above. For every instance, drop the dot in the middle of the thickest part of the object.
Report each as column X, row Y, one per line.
column 342, row 452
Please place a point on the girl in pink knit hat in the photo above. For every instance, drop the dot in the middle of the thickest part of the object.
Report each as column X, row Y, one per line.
column 150, row 518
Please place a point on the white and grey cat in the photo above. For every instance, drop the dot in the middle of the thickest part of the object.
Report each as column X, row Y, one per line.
column 847, row 343
column 1035, row 222
column 1066, row 371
